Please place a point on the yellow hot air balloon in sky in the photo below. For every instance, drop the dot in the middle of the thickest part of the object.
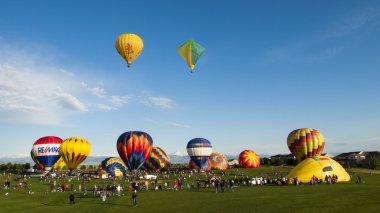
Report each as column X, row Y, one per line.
column 191, row 51
column 129, row 47
column 74, row 151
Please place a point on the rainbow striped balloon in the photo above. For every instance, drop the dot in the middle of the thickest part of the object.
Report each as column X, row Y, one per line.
column 306, row 143
column 157, row 160
column 249, row 159
column 134, row 148
column 113, row 167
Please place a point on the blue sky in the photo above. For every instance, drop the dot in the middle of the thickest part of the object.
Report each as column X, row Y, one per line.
column 269, row 67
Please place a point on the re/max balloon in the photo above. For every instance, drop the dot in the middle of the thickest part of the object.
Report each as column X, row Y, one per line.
column 249, row 159
column 134, row 148
column 157, row 160
column 112, row 167
column 191, row 51
column 129, row 47
column 199, row 150
column 46, row 151
column 39, row 165
column 74, row 151
column 306, row 143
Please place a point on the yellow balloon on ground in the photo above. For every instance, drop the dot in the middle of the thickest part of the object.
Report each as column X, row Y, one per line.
column 319, row 166
column 59, row 164
column 129, row 47
column 74, row 151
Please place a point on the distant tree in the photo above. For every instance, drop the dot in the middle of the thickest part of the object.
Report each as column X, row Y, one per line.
column 83, row 167
column 27, row 166
column 374, row 163
column 276, row 161
column 291, row 162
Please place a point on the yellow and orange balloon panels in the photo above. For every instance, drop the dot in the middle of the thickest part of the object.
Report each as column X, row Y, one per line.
column 59, row 164
column 74, row 151
column 249, row 159
column 319, row 166
column 129, row 47
column 218, row 161
column 306, row 143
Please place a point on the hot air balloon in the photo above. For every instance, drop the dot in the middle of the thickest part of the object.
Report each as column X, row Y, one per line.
column 191, row 51
column 206, row 166
column 46, row 151
column 249, row 159
column 218, row 161
column 112, row 167
column 306, row 143
column 129, row 47
column 39, row 165
column 134, row 148
column 59, row 164
column 74, row 151
column 157, row 160
column 320, row 166
column 199, row 149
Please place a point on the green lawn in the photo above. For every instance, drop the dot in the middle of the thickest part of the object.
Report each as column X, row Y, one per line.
column 343, row 197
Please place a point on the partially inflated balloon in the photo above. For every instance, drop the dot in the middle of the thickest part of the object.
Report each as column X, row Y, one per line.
column 113, row 167
column 74, row 151
column 157, row 160
column 129, row 47
column 206, row 166
column 319, row 166
column 249, row 159
column 59, row 164
column 218, row 161
column 191, row 51
column 46, row 150
column 306, row 143
column 134, row 148
column 199, row 149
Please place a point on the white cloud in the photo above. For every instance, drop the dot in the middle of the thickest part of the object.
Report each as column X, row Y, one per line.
column 69, row 101
column 177, row 125
column 160, row 102
column 105, row 108
column 119, row 101
column 96, row 91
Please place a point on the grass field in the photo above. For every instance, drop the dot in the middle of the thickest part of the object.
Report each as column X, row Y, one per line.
column 343, row 197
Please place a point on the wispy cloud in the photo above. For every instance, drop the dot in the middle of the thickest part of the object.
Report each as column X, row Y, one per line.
column 178, row 125
column 160, row 102
column 96, row 91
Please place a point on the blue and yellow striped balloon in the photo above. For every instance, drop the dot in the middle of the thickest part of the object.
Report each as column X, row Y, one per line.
column 113, row 167
column 157, row 160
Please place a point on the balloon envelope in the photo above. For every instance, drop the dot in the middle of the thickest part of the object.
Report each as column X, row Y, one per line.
column 319, row 166
column 157, row 160
column 74, row 151
column 59, row 164
column 191, row 51
column 129, row 47
column 199, row 150
column 112, row 167
column 249, row 159
column 46, row 150
column 218, row 161
column 306, row 143
column 206, row 166
column 134, row 148
column 39, row 165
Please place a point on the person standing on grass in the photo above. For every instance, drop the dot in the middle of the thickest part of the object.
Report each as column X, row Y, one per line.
column 134, row 198
column 72, row 199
